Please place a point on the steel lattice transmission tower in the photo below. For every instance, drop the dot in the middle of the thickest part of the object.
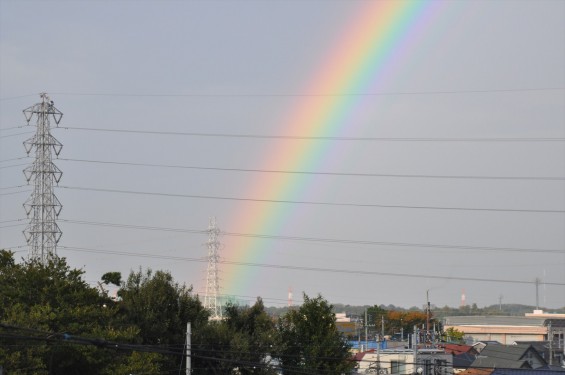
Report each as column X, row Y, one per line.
column 42, row 207
column 211, row 299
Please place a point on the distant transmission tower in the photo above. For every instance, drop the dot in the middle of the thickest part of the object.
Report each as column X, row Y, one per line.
column 211, row 299
column 42, row 207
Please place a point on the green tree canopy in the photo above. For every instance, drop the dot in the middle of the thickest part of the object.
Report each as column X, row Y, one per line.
column 308, row 340
column 242, row 340
column 161, row 308
column 52, row 321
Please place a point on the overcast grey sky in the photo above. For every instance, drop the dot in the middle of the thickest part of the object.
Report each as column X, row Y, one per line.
column 477, row 70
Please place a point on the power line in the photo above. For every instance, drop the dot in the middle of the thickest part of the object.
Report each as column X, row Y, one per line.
column 11, row 221
column 11, row 128
column 13, row 159
column 351, row 174
column 11, row 225
column 12, row 166
column 16, row 192
column 309, row 269
column 318, row 138
column 390, row 93
column 313, row 239
column 18, row 97
column 367, row 205
column 14, row 135
column 12, row 187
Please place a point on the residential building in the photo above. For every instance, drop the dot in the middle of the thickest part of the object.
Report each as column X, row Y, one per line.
column 405, row 361
column 509, row 357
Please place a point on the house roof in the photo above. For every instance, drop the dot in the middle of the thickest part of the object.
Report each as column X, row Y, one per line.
column 493, row 320
column 477, row 371
column 505, row 371
column 463, row 360
column 489, row 362
column 359, row 356
column 540, row 346
column 457, row 349
column 505, row 356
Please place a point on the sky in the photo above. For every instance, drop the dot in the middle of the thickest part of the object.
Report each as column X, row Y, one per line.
column 372, row 152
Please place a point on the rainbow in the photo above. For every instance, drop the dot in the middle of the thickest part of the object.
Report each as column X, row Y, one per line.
column 375, row 39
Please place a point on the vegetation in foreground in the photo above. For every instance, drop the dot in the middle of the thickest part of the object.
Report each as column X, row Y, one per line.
column 53, row 322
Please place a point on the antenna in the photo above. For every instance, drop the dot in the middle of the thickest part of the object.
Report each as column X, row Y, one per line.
column 42, row 207
column 211, row 299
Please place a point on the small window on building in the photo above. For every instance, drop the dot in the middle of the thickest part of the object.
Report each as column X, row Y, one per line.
column 397, row 367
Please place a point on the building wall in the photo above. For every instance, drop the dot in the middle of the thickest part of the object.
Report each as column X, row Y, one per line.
column 402, row 363
column 503, row 334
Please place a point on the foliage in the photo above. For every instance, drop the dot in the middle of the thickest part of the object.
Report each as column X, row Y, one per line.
column 112, row 278
column 161, row 309
column 51, row 318
column 453, row 335
column 394, row 322
column 243, row 340
column 308, row 340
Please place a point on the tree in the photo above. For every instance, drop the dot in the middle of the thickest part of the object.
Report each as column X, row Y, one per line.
column 112, row 278
column 243, row 340
column 376, row 315
column 453, row 335
column 308, row 340
column 52, row 321
column 161, row 308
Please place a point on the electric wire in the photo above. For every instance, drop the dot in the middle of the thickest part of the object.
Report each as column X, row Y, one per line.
column 14, row 159
column 15, row 135
column 317, row 203
column 265, row 94
column 16, row 192
column 13, row 166
column 311, row 239
column 11, row 128
column 541, row 178
column 12, row 187
column 389, row 93
column 170, row 349
column 319, row 138
column 304, row 268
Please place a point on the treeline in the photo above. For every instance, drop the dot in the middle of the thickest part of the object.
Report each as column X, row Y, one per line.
column 53, row 322
column 358, row 312
column 501, row 309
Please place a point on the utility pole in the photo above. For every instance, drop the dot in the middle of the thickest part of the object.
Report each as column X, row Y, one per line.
column 427, row 316
column 415, row 347
column 401, row 330
column 366, row 333
column 188, row 352
column 211, row 301
column 537, row 293
column 550, row 339
column 42, row 207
